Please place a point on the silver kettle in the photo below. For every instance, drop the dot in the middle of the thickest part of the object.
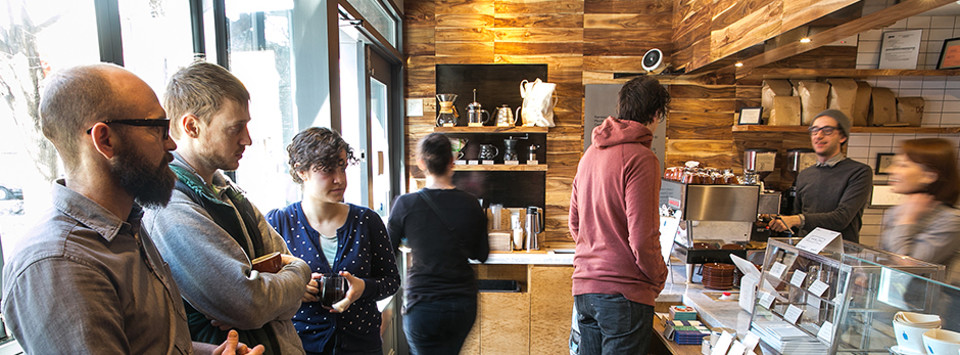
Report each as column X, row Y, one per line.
column 533, row 226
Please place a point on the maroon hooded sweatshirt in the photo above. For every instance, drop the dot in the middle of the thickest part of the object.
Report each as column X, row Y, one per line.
column 613, row 215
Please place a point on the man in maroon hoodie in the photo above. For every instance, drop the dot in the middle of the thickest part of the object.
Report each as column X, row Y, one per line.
column 618, row 269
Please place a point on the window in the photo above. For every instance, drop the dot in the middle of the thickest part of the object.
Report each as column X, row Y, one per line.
column 261, row 55
column 155, row 58
column 40, row 36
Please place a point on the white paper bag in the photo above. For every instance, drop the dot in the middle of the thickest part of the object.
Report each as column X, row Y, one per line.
column 538, row 103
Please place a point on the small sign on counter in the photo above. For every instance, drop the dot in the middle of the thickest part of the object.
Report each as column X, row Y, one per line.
column 793, row 314
column 820, row 239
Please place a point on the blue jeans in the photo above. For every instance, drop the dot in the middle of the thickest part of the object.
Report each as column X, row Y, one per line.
column 612, row 324
column 439, row 326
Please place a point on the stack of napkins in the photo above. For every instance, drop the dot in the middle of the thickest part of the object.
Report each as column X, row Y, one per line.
column 788, row 339
column 683, row 313
column 686, row 332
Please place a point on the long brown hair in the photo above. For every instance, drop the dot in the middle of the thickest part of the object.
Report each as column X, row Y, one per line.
column 939, row 156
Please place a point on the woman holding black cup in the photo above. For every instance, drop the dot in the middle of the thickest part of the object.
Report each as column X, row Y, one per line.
column 335, row 239
column 443, row 227
column 926, row 225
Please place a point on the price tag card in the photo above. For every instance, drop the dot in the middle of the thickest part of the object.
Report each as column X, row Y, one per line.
column 820, row 238
column 511, row 162
column 460, row 162
column 723, row 344
column 813, row 302
column 798, row 278
column 793, row 314
column 737, row 348
column 818, row 288
column 826, row 331
column 777, row 269
column 473, row 162
column 486, row 162
column 766, row 299
column 750, row 342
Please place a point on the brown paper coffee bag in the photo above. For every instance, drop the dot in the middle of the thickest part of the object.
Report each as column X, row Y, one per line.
column 883, row 107
column 813, row 99
column 910, row 110
column 843, row 95
column 861, row 108
column 772, row 88
column 786, row 111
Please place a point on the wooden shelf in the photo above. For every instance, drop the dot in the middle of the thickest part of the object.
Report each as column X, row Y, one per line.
column 491, row 129
column 501, row 167
column 803, row 129
column 786, row 73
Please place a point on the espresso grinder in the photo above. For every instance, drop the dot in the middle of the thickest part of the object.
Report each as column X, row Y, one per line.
column 797, row 160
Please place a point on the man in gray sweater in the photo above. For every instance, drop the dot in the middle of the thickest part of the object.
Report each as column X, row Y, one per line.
column 833, row 193
column 209, row 232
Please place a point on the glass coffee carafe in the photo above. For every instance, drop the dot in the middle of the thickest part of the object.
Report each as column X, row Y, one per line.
column 447, row 116
column 488, row 152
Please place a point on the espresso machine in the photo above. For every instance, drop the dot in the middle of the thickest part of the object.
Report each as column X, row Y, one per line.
column 715, row 220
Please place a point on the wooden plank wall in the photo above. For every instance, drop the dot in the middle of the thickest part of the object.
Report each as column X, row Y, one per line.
column 581, row 41
column 585, row 42
column 710, row 30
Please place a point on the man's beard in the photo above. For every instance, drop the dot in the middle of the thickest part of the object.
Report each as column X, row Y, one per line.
column 150, row 186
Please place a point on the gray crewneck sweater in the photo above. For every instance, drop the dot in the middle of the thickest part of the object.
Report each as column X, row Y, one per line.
column 834, row 197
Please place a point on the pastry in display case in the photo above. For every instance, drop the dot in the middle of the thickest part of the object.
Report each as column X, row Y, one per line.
column 847, row 302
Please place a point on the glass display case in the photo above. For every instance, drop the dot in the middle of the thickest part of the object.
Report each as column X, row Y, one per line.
column 843, row 303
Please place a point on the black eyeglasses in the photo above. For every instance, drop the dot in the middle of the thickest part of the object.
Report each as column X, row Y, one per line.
column 827, row 130
column 142, row 122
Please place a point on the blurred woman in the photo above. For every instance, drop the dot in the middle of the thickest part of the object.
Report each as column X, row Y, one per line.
column 334, row 237
column 443, row 227
column 926, row 226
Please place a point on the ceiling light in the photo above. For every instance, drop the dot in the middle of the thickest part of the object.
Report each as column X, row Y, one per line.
column 805, row 40
column 738, row 64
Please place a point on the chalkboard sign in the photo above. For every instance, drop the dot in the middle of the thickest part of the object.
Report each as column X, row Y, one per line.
column 496, row 84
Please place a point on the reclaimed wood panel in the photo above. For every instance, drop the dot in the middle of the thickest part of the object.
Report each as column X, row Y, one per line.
column 706, row 125
column 534, row 6
column 613, row 63
column 626, row 6
column 551, row 305
column 702, row 92
column 468, row 19
column 534, row 34
column 540, row 20
column 709, row 152
column 520, row 48
column 747, row 31
column 681, row 104
column 465, row 49
column 464, row 34
column 419, row 41
column 455, row 7
column 797, row 13
column 628, row 22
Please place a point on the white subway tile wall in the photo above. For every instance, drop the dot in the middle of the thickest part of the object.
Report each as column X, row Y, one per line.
column 941, row 95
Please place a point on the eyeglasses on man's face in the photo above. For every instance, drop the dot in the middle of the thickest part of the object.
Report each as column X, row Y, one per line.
column 826, row 130
column 162, row 123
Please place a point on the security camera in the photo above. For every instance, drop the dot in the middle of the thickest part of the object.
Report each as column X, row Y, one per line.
column 653, row 61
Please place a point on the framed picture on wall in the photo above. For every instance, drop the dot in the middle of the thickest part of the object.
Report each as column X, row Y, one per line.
column 750, row 115
column 884, row 162
column 950, row 54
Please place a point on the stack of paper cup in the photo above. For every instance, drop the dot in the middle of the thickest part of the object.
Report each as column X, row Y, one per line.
column 909, row 328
